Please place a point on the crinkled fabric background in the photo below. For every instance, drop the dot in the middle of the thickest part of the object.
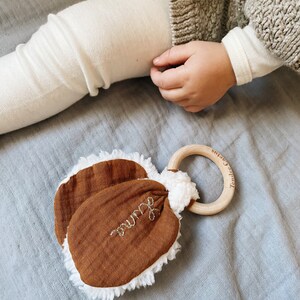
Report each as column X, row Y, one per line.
column 250, row 251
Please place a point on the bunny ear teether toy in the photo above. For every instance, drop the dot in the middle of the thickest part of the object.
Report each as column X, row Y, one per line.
column 118, row 219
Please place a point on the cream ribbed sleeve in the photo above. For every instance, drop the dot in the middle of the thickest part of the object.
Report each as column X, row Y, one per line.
column 249, row 57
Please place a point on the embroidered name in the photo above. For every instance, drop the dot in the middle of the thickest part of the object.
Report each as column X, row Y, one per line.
column 131, row 221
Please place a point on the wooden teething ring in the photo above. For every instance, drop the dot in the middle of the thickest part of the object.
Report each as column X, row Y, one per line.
column 228, row 177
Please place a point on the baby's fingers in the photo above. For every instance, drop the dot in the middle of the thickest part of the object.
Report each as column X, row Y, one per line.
column 169, row 79
column 174, row 56
column 193, row 108
column 174, row 95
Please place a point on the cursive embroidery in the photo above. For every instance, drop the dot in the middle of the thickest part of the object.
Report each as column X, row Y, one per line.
column 131, row 221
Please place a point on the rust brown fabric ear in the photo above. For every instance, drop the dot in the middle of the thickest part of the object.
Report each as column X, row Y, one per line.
column 88, row 182
column 122, row 230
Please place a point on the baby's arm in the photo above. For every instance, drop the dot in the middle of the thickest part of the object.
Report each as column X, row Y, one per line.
column 269, row 41
column 209, row 69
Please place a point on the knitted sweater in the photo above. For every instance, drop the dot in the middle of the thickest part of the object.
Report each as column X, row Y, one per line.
column 276, row 23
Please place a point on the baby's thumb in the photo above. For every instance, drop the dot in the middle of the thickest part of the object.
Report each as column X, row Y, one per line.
column 173, row 56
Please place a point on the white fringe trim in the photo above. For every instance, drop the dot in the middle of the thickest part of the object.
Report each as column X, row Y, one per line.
column 144, row 279
column 85, row 162
column 181, row 190
column 180, row 187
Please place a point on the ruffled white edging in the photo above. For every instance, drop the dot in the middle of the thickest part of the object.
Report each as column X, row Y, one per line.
column 85, row 162
column 181, row 190
column 143, row 279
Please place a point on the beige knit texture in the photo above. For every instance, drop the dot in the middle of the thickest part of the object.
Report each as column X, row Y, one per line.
column 207, row 20
column 276, row 23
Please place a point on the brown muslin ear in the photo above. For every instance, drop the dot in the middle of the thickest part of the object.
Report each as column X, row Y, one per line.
column 88, row 182
column 119, row 232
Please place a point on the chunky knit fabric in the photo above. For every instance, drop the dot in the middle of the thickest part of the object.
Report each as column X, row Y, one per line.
column 276, row 23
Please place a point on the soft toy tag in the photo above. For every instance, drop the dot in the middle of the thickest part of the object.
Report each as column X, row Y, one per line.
column 118, row 219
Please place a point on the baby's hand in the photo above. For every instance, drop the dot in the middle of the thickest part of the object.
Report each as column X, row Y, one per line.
column 203, row 76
